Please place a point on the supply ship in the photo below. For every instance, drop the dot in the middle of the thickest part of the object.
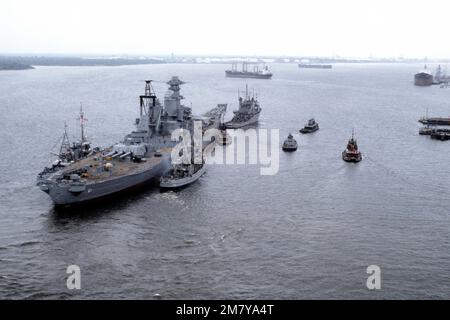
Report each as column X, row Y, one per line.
column 247, row 114
column 143, row 157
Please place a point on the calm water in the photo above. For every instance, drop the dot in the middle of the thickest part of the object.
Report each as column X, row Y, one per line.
column 308, row 232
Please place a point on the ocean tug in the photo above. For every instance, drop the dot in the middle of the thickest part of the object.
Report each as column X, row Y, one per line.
column 310, row 127
column 290, row 144
column 351, row 153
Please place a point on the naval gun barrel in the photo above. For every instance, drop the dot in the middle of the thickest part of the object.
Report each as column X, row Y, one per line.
column 116, row 155
column 110, row 154
column 125, row 155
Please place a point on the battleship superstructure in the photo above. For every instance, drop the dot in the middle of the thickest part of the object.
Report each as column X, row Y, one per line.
column 142, row 157
column 256, row 73
column 247, row 114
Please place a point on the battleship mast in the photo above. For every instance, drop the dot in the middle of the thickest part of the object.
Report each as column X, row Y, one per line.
column 148, row 100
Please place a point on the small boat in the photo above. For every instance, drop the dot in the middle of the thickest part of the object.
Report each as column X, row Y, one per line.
column 182, row 175
column 310, row 127
column 351, row 153
column 290, row 144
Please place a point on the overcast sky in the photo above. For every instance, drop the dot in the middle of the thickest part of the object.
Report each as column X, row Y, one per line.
column 355, row 28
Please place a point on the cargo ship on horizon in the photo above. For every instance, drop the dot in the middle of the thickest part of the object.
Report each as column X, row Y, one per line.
column 256, row 73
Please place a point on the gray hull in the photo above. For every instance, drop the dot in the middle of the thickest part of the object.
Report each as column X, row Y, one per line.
column 178, row 183
column 252, row 75
column 61, row 195
column 236, row 125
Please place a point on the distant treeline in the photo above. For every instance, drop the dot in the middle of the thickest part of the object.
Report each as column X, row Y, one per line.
column 72, row 61
column 9, row 64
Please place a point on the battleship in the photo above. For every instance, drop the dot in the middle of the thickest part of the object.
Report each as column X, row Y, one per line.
column 142, row 158
column 256, row 73
column 247, row 114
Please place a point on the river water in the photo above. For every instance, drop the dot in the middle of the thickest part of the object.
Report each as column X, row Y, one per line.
column 309, row 231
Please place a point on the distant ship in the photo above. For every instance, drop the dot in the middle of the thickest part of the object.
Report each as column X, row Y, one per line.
column 423, row 78
column 315, row 66
column 256, row 73
column 247, row 114
column 435, row 121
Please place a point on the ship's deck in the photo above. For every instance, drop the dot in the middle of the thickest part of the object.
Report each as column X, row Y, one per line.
column 95, row 169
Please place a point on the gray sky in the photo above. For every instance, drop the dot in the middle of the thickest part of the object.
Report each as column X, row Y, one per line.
column 355, row 28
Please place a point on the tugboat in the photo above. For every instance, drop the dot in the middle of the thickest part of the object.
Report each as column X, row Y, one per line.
column 248, row 113
column 310, row 127
column 245, row 73
column 290, row 144
column 351, row 153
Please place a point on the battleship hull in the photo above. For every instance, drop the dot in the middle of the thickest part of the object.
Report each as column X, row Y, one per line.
column 66, row 195
column 254, row 75
column 237, row 125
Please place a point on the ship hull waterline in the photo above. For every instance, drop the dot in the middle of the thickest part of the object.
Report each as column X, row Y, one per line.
column 237, row 125
column 248, row 75
column 180, row 183
column 62, row 197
